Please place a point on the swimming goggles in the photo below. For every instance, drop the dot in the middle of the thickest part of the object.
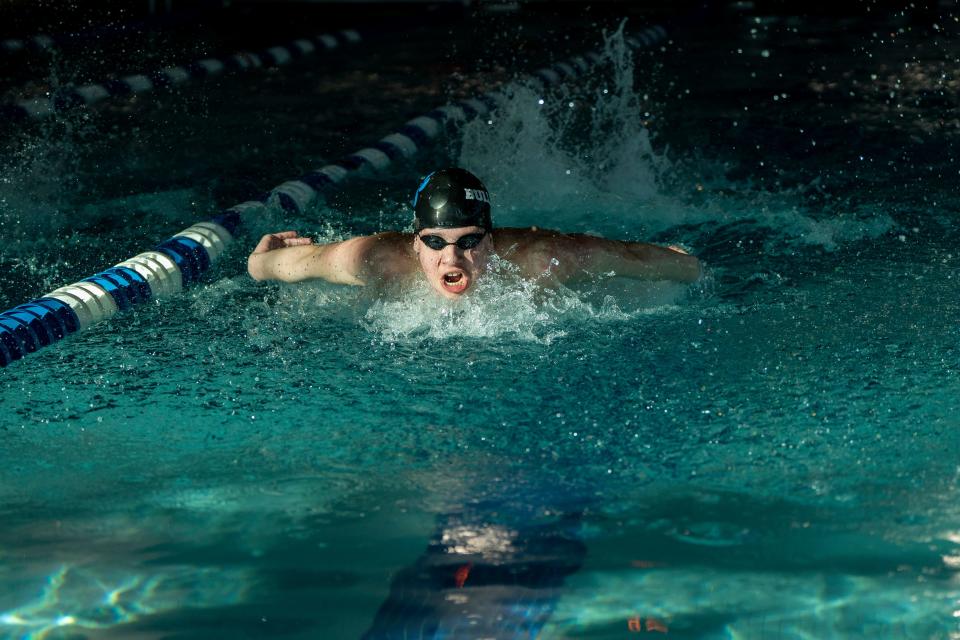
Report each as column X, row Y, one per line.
column 468, row 241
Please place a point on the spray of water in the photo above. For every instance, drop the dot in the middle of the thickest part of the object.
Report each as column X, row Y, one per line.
column 33, row 176
column 507, row 307
column 581, row 159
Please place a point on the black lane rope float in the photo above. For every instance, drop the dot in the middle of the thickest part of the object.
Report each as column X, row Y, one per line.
column 185, row 257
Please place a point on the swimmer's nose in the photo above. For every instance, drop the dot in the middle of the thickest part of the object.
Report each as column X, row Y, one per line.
column 449, row 254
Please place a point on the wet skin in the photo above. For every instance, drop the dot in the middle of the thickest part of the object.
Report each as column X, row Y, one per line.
column 451, row 271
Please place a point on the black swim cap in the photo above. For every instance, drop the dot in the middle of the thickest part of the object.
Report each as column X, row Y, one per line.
column 451, row 198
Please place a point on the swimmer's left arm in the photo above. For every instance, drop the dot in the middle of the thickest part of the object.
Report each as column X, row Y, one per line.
column 653, row 262
column 638, row 260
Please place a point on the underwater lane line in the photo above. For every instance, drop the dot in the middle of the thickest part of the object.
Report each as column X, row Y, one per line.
column 487, row 572
column 183, row 259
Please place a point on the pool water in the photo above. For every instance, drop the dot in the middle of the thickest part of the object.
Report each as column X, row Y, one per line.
column 770, row 453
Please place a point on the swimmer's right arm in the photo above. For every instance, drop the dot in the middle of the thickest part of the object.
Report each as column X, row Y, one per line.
column 287, row 257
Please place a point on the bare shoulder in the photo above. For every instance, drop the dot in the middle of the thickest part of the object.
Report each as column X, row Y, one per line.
column 509, row 240
column 380, row 255
column 383, row 243
column 571, row 256
column 536, row 250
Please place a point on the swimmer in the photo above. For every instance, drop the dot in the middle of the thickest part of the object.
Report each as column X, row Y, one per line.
column 452, row 243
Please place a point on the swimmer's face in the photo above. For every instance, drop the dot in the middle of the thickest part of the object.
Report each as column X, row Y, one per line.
column 452, row 270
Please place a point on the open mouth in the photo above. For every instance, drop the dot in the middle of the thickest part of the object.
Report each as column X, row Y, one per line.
column 455, row 281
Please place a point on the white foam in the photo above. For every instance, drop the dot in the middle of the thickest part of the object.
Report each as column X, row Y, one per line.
column 505, row 306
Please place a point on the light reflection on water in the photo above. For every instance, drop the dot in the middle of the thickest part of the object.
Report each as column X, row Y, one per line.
column 81, row 599
column 755, row 605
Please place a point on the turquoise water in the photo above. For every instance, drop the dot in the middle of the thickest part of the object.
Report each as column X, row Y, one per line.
column 771, row 453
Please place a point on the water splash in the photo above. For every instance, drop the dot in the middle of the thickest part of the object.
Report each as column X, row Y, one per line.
column 35, row 179
column 505, row 306
column 581, row 158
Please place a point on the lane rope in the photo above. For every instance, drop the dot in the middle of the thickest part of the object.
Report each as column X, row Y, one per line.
column 40, row 42
column 184, row 258
column 73, row 96
column 46, row 43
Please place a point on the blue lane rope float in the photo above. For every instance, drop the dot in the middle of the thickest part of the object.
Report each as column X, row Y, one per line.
column 72, row 97
column 175, row 263
column 184, row 258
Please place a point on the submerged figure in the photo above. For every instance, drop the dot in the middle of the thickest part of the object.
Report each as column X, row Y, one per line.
column 452, row 243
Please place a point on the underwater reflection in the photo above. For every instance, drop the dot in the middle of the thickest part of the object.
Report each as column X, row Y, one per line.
column 76, row 598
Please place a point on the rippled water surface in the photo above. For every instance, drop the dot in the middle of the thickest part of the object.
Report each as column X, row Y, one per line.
column 771, row 453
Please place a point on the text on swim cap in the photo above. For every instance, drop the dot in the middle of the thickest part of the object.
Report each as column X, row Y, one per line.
column 477, row 194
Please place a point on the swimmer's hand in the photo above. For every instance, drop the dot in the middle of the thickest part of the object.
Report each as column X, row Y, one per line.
column 280, row 240
column 679, row 249
column 267, row 263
